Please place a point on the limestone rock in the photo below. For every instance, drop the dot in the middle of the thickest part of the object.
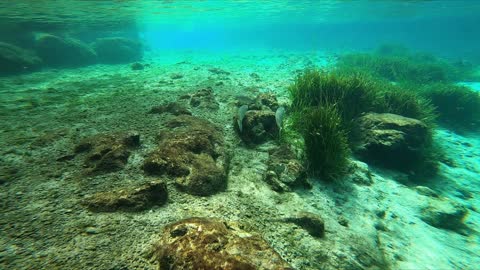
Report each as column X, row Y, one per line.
column 258, row 126
column 445, row 214
column 138, row 199
column 209, row 244
column 107, row 152
column 64, row 52
column 285, row 171
column 193, row 153
column 114, row 50
column 390, row 140
column 14, row 59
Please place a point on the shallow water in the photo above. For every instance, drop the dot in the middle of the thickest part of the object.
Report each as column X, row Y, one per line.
column 88, row 122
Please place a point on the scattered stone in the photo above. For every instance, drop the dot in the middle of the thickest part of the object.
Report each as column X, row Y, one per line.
column 359, row 173
column 14, row 59
column 445, row 214
column 172, row 108
column 390, row 140
column 285, row 171
column 380, row 226
column 310, row 222
column 218, row 71
column 343, row 221
column 176, row 76
column 64, row 52
column 204, row 99
column 426, row 191
column 137, row 66
column 138, row 199
column 107, row 152
column 258, row 126
column 201, row 243
column 193, row 153
column 381, row 213
column 255, row 76
column 115, row 50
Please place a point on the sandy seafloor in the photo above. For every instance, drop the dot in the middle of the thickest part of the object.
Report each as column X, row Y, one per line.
column 43, row 225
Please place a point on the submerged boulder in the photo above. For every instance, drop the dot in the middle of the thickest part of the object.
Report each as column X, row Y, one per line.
column 445, row 214
column 137, row 199
column 258, row 126
column 201, row 243
column 204, row 99
column 390, row 140
column 193, row 154
column 285, row 171
column 107, row 152
column 64, row 52
column 115, row 50
column 14, row 59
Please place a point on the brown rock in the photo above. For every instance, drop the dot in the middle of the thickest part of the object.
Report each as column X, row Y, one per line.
column 204, row 99
column 208, row 244
column 107, row 152
column 285, row 171
column 193, row 154
column 258, row 126
column 138, row 199
column 172, row 108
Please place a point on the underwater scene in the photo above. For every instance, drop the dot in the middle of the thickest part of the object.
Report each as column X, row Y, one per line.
column 222, row 134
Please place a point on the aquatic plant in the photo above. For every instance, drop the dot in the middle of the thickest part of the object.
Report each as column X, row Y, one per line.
column 326, row 142
column 457, row 106
column 352, row 94
column 396, row 63
column 240, row 115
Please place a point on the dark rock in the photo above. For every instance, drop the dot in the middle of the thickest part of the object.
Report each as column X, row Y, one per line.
column 390, row 140
column 107, row 152
column 258, row 126
column 310, row 222
column 204, row 99
column 445, row 214
column 359, row 173
column 138, row 199
column 381, row 226
column 114, row 50
column 285, row 171
column 64, row 52
column 14, row 59
column 201, row 243
column 193, row 153
column 171, row 107
column 426, row 191
column 137, row 66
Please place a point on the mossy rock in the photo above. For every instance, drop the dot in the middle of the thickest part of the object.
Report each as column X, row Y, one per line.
column 207, row 243
column 64, row 52
column 115, row 50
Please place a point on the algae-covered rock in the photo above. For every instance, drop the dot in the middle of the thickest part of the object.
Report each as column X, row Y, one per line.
column 204, row 99
column 257, row 126
column 193, row 153
column 445, row 214
column 64, row 52
column 390, row 140
column 14, row 59
column 107, row 152
column 114, row 50
column 137, row 199
column 310, row 222
column 210, row 244
column 285, row 171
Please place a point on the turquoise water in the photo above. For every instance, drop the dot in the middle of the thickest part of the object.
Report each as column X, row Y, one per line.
column 239, row 134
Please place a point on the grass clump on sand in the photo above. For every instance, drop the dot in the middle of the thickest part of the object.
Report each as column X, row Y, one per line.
column 326, row 104
column 326, row 141
column 397, row 64
column 457, row 106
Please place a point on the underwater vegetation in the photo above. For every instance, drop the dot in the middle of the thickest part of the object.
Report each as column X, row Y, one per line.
column 396, row 63
column 456, row 106
column 326, row 109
